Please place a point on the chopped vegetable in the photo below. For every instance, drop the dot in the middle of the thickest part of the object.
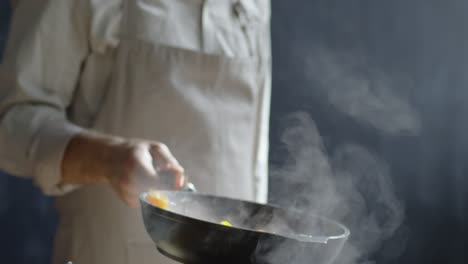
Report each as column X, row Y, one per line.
column 158, row 199
column 225, row 223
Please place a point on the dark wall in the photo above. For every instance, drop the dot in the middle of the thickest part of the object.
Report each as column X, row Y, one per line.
column 4, row 18
column 420, row 42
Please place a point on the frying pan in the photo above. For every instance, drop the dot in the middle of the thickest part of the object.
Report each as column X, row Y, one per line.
column 189, row 231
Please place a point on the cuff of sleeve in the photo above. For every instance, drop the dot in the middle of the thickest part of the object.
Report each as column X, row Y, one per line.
column 49, row 148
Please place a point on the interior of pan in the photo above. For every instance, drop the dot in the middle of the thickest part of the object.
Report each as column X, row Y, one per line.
column 189, row 231
column 247, row 216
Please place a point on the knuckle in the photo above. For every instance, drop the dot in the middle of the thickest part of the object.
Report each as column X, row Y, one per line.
column 176, row 167
column 160, row 147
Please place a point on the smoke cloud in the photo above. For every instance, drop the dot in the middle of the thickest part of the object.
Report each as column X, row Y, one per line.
column 348, row 183
column 362, row 92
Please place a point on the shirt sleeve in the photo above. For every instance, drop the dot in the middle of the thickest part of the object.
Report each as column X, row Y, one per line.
column 47, row 47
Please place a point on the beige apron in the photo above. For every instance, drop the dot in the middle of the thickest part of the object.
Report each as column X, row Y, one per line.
column 180, row 91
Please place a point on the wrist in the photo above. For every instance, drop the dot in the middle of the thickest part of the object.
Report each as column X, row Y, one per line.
column 87, row 158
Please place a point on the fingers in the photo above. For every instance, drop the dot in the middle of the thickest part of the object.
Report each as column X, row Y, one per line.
column 167, row 163
column 180, row 181
column 127, row 191
column 144, row 161
column 144, row 173
column 146, row 166
column 135, row 174
column 130, row 198
column 163, row 157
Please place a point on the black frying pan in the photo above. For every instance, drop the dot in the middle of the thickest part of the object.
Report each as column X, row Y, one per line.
column 189, row 232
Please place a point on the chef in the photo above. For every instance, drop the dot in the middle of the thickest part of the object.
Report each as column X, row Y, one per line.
column 98, row 96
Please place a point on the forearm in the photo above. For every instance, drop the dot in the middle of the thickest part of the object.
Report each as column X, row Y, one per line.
column 84, row 156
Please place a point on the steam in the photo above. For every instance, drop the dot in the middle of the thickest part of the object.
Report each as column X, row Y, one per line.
column 364, row 94
column 349, row 184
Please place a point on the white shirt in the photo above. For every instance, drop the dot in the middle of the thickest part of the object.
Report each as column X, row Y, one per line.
column 194, row 74
column 57, row 47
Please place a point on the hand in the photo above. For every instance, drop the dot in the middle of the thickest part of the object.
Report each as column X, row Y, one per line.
column 139, row 166
column 129, row 166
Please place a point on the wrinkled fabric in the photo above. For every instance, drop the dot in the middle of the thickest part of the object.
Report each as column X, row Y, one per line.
column 194, row 74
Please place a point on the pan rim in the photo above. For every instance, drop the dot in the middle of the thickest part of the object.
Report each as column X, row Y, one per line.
column 171, row 215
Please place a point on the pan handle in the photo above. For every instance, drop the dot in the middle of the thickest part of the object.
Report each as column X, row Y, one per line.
column 189, row 187
column 167, row 180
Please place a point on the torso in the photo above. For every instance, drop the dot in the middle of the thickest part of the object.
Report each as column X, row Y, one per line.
column 186, row 74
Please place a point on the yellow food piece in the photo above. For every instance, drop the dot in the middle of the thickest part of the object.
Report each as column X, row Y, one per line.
column 158, row 199
column 225, row 223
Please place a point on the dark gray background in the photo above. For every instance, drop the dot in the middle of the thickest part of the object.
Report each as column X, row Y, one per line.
column 425, row 41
